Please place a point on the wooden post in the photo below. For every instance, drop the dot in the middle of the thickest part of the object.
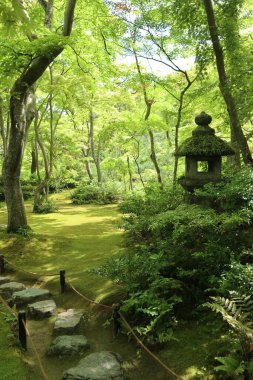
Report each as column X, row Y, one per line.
column 1, row 264
column 62, row 281
column 116, row 319
column 21, row 329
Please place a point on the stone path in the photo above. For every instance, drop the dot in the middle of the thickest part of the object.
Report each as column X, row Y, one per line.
column 102, row 365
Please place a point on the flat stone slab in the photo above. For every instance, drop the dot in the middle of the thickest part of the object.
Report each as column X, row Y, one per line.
column 42, row 309
column 68, row 321
column 30, row 295
column 4, row 280
column 102, row 365
column 9, row 288
column 68, row 345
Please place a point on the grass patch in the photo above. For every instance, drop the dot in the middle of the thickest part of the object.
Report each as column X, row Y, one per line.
column 12, row 366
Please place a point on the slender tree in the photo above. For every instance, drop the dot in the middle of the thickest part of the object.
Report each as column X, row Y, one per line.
column 236, row 129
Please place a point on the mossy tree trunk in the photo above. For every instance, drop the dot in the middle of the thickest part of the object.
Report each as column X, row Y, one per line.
column 21, row 116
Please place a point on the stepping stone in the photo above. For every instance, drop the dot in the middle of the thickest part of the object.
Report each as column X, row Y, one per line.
column 4, row 280
column 102, row 365
column 68, row 345
column 68, row 321
column 42, row 309
column 30, row 295
column 10, row 287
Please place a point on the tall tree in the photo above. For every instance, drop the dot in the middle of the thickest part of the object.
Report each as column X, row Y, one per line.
column 22, row 112
column 237, row 135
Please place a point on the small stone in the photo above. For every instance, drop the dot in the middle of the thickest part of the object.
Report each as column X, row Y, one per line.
column 4, row 280
column 30, row 295
column 9, row 288
column 102, row 365
column 42, row 309
column 68, row 345
column 68, row 321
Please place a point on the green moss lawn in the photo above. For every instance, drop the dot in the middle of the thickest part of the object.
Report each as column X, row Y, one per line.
column 77, row 238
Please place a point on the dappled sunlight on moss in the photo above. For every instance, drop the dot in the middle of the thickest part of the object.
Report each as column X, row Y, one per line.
column 76, row 238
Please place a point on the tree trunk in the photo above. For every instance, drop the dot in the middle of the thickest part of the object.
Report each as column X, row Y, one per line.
column 34, row 161
column 2, row 130
column 154, row 159
column 137, row 163
column 21, row 115
column 177, row 126
column 86, row 154
column 98, row 167
column 149, row 103
column 236, row 129
column 95, row 155
column 87, row 164
column 130, row 174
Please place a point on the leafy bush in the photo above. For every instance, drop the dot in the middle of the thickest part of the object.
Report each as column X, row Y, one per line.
column 151, row 201
column 45, row 208
column 234, row 191
column 89, row 193
column 176, row 255
column 239, row 277
column 151, row 296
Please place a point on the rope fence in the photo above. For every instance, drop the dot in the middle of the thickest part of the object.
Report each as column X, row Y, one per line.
column 21, row 320
column 116, row 313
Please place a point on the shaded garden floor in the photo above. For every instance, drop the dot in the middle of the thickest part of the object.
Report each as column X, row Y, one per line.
column 77, row 238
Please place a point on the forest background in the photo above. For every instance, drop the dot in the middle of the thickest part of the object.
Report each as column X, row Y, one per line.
column 99, row 103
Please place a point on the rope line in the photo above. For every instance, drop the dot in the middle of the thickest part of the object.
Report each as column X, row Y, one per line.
column 38, row 274
column 29, row 335
column 86, row 298
column 129, row 328
column 36, row 352
column 33, row 273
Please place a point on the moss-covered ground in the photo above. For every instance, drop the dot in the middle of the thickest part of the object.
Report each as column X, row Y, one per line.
column 77, row 238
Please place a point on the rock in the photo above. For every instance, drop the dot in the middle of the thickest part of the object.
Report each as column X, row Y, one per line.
column 68, row 321
column 30, row 295
column 102, row 365
column 4, row 280
column 42, row 309
column 10, row 287
column 68, row 345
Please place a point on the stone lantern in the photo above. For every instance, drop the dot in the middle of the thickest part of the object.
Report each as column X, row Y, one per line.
column 203, row 152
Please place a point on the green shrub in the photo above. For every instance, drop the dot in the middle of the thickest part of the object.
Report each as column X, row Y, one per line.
column 234, row 191
column 176, row 255
column 89, row 193
column 151, row 201
column 239, row 278
column 45, row 208
column 151, row 297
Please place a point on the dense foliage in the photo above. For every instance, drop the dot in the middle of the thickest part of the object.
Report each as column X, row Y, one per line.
column 105, row 106
column 90, row 193
column 178, row 254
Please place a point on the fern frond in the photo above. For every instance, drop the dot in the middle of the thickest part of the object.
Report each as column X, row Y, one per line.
column 235, row 311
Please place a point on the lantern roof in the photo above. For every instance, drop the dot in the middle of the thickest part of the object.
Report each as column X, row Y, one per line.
column 203, row 141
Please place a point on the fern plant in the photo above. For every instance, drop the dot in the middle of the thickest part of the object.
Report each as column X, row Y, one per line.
column 238, row 312
column 230, row 365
